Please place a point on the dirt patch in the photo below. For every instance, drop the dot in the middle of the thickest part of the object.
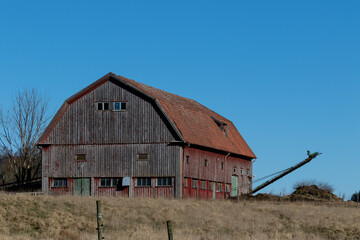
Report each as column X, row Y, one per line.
column 312, row 193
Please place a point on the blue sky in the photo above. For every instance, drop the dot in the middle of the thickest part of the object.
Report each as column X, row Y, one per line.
column 285, row 72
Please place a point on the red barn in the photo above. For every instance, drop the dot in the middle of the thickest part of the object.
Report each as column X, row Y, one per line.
column 118, row 137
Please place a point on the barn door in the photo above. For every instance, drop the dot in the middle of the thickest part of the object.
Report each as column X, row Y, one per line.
column 214, row 189
column 82, row 186
column 234, row 186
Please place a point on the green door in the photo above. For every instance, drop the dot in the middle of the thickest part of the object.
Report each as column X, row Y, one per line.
column 82, row 186
column 214, row 189
column 234, row 186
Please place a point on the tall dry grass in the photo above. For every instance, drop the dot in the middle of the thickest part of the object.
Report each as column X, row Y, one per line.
column 45, row 217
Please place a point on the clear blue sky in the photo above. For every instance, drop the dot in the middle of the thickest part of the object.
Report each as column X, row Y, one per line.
column 285, row 72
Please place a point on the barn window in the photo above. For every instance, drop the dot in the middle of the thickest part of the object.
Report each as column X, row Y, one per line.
column 119, row 106
column 211, row 186
column 241, row 171
column 219, row 187
column 187, row 159
column 102, row 106
column 205, row 162
column 227, row 187
column 234, row 169
column 164, row 181
column 186, row 182
column 110, row 182
column 194, row 183
column 80, row 157
column 143, row 156
column 60, row 182
column 222, row 166
column 143, row 182
column 203, row 184
column 248, row 171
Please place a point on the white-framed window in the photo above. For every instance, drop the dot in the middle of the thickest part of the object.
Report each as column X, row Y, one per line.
column 194, row 183
column 227, row 187
column 143, row 182
column 219, row 187
column 60, row 182
column 211, row 186
column 102, row 106
column 119, row 106
column 109, row 182
column 203, row 184
column 234, row 169
column 164, row 181
column 241, row 171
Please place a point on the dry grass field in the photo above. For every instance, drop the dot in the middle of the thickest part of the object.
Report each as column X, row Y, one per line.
column 46, row 217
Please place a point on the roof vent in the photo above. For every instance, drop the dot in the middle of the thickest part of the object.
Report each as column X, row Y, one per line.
column 223, row 126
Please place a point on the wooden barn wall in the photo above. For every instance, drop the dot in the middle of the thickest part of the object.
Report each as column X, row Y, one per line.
column 81, row 123
column 115, row 160
column 195, row 169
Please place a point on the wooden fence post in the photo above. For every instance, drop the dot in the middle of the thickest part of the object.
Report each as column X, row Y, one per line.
column 169, row 229
column 99, row 220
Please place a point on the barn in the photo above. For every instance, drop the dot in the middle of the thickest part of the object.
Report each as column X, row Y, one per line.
column 118, row 137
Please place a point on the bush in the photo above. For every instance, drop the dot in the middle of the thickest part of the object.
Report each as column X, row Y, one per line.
column 356, row 197
column 321, row 185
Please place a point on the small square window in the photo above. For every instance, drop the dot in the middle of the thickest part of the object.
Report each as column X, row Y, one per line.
column 203, row 184
column 248, row 171
column 227, row 187
column 119, row 106
column 143, row 156
column 187, row 159
column 222, row 166
column 102, row 106
column 219, row 187
column 80, row 157
column 186, row 182
column 211, row 186
column 241, row 171
column 205, row 162
column 194, row 183
column 234, row 169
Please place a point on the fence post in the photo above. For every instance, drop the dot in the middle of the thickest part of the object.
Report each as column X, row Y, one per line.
column 99, row 219
column 169, row 229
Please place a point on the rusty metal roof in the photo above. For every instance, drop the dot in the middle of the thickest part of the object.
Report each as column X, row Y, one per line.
column 195, row 123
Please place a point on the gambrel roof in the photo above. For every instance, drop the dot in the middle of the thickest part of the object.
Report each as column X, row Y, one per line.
column 194, row 123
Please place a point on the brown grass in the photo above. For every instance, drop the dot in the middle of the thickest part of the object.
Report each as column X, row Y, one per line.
column 45, row 217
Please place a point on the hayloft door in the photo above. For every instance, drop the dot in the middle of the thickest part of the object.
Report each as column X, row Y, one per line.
column 234, row 186
column 82, row 186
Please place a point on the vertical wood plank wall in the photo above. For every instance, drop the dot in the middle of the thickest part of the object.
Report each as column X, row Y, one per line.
column 111, row 141
column 196, row 170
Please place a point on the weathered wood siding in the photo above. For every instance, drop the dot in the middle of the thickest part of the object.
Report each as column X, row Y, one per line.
column 195, row 169
column 112, row 141
column 117, row 160
column 81, row 123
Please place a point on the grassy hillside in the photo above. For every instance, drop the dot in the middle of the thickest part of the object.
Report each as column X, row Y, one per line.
column 45, row 217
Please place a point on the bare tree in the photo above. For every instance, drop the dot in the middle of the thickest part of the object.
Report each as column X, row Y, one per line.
column 20, row 127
